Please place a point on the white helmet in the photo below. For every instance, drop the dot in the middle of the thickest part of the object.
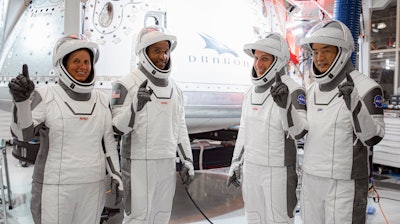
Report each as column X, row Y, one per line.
column 148, row 36
column 274, row 44
column 331, row 32
column 66, row 45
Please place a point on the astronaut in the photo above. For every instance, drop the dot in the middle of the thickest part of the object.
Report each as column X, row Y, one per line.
column 77, row 143
column 344, row 114
column 148, row 111
column 272, row 114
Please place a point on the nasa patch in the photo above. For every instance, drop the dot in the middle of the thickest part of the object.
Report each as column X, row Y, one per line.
column 378, row 101
column 301, row 99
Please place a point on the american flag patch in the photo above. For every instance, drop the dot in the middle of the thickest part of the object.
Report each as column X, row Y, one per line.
column 116, row 94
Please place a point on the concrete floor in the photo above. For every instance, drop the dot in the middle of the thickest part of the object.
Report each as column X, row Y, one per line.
column 221, row 205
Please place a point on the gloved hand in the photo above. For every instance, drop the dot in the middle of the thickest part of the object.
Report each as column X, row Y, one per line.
column 21, row 87
column 143, row 95
column 187, row 173
column 280, row 92
column 345, row 90
column 117, row 190
column 234, row 174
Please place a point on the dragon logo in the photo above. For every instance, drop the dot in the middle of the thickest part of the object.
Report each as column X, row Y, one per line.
column 220, row 48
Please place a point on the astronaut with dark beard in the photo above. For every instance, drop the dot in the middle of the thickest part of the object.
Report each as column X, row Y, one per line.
column 148, row 111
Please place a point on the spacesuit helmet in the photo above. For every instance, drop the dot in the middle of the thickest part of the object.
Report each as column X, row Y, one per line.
column 67, row 45
column 150, row 35
column 335, row 33
column 274, row 44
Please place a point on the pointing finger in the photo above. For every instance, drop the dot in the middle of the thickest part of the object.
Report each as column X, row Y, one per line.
column 349, row 79
column 144, row 84
column 277, row 78
column 25, row 71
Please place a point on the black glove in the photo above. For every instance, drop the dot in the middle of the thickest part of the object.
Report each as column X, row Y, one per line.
column 345, row 90
column 234, row 174
column 187, row 173
column 118, row 194
column 21, row 87
column 280, row 92
column 143, row 95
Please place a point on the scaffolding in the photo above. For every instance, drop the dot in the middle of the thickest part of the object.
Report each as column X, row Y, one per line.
column 4, row 184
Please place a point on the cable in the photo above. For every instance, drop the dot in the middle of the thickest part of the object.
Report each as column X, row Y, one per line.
column 393, row 199
column 194, row 203
column 376, row 199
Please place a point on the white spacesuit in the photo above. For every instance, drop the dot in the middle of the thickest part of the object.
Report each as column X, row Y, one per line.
column 76, row 140
column 148, row 109
column 344, row 114
column 265, row 143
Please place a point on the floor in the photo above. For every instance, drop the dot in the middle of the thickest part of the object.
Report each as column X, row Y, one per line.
column 221, row 205
column 206, row 195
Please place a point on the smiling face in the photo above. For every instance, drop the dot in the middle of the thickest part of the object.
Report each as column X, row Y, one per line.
column 159, row 53
column 262, row 62
column 79, row 65
column 323, row 56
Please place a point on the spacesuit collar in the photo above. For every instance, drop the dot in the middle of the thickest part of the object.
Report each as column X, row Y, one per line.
column 348, row 68
column 263, row 88
column 156, row 81
column 74, row 95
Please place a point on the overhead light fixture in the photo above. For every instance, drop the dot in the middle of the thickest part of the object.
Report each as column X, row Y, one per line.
column 381, row 25
column 375, row 30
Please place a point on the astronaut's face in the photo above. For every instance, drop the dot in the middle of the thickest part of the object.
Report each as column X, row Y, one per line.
column 78, row 65
column 323, row 56
column 262, row 62
column 159, row 53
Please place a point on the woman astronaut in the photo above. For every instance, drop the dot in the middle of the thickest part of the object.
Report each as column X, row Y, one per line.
column 77, row 143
